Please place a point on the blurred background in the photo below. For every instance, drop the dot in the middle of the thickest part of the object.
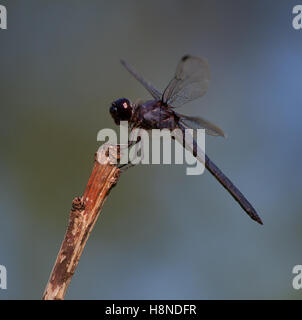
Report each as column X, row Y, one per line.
column 162, row 234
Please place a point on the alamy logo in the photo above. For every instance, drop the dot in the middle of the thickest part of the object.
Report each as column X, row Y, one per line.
column 135, row 148
column 297, row 280
column 3, row 17
column 297, row 21
column 3, row 277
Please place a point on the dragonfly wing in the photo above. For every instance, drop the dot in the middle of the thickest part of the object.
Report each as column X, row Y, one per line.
column 190, row 82
column 200, row 123
column 147, row 85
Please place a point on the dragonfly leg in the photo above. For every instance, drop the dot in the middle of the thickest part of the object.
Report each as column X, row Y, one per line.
column 126, row 166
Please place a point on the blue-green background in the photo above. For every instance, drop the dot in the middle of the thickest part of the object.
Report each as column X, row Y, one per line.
column 161, row 234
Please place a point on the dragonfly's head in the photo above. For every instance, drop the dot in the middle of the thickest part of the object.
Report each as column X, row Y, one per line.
column 121, row 110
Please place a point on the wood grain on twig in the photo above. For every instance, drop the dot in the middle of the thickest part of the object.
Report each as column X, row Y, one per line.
column 83, row 216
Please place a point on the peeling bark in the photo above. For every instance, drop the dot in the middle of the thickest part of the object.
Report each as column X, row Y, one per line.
column 83, row 216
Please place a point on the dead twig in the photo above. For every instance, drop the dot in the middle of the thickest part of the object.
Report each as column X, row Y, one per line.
column 83, row 216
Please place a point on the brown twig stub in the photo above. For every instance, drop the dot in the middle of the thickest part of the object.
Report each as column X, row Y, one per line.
column 83, row 216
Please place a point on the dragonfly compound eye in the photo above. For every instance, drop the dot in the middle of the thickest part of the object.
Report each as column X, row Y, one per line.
column 121, row 110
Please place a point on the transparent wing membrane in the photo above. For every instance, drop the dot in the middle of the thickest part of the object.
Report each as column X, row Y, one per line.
column 200, row 123
column 153, row 91
column 190, row 82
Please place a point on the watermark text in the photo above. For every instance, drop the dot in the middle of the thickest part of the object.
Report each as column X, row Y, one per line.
column 3, row 278
column 297, row 280
column 3, row 17
column 156, row 147
column 297, row 21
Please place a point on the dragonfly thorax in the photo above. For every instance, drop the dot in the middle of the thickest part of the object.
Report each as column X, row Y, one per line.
column 154, row 115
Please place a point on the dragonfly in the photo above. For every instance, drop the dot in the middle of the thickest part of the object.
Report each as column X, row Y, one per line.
column 189, row 83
